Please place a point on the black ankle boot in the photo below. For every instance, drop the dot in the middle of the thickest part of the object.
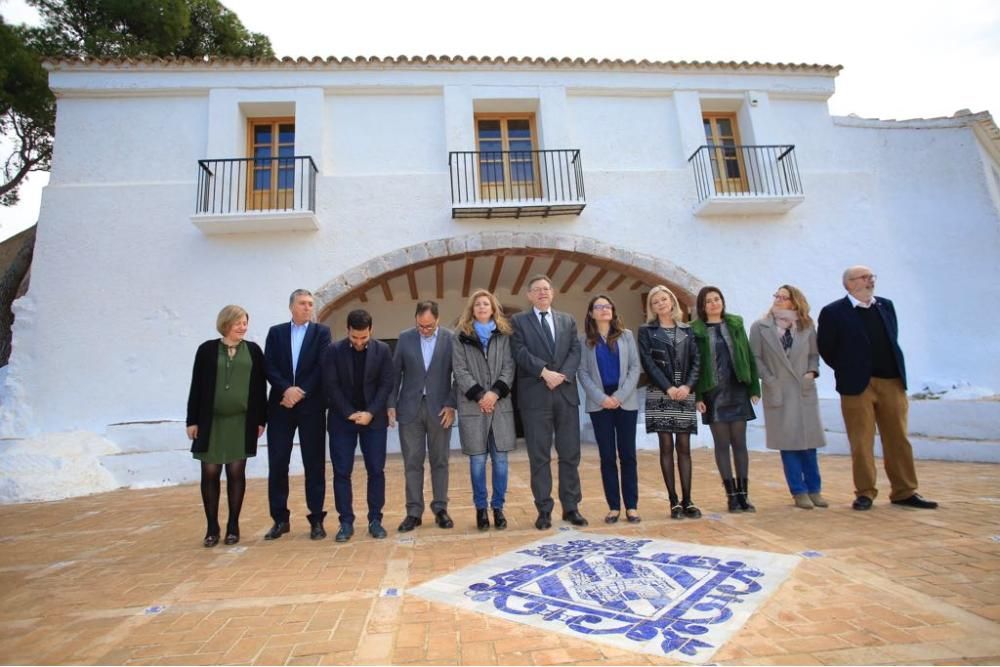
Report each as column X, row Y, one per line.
column 742, row 495
column 499, row 520
column 482, row 519
column 732, row 501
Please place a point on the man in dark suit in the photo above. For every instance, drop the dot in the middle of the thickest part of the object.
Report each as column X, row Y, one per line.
column 546, row 349
column 423, row 402
column 292, row 362
column 856, row 337
column 357, row 379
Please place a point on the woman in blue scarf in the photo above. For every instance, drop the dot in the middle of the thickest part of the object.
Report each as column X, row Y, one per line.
column 484, row 373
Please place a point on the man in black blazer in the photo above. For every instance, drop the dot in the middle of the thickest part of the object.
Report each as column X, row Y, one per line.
column 857, row 338
column 357, row 379
column 292, row 357
column 546, row 348
column 423, row 402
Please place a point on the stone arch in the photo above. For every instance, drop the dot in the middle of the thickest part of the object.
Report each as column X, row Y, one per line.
column 642, row 268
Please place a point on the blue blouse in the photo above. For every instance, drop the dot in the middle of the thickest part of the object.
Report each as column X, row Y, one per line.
column 608, row 363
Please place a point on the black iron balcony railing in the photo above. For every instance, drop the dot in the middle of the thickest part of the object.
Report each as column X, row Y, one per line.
column 505, row 183
column 250, row 185
column 745, row 171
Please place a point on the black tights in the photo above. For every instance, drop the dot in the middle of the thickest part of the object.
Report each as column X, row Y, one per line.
column 683, row 446
column 236, row 484
column 731, row 435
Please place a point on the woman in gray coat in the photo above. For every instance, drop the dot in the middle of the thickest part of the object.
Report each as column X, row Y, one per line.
column 484, row 373
column 784, row 346
column 609, row 374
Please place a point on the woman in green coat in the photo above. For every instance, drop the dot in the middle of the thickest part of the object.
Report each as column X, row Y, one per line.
column 727, row 386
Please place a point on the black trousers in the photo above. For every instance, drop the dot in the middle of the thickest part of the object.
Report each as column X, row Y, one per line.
column 281, row 426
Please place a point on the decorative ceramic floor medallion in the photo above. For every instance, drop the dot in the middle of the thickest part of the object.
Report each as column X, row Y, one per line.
column 671, row 599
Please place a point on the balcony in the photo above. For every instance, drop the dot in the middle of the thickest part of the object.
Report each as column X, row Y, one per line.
column 746, row 180
column 272, row 194
column 516, row 184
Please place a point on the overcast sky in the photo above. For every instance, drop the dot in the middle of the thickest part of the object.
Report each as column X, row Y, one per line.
column 901, row 59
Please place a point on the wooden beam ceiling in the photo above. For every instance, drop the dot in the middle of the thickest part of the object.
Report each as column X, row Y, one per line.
column 522, row 275
column 467, row 281
column 495, row 278
column 580, row 266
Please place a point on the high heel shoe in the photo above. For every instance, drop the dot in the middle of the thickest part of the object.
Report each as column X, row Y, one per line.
column 232, row 534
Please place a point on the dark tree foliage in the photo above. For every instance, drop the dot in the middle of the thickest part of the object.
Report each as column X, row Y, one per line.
column 91, row 29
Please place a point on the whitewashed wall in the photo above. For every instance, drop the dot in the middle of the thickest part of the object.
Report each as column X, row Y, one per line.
column 124, row 286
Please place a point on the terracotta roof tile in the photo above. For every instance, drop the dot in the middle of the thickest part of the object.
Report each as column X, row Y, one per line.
column 333, row 62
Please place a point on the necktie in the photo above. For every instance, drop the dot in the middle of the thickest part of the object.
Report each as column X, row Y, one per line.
column 549, row 340
column 786, row 340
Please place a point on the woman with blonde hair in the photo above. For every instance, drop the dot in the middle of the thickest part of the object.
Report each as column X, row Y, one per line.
column 783, row 342
column 669, row 357
column 226, row 414
column 483, row 368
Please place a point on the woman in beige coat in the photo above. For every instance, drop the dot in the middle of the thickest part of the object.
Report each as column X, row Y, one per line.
column 784, row 346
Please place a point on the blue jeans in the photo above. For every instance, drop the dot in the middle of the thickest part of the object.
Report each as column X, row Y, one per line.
column 477, row 470
column 801, row 471
column 614, row 431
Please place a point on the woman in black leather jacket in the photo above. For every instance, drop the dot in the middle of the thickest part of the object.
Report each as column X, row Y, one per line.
column 670, row 358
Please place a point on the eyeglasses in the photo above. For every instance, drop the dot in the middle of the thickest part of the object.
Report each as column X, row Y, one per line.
column 866, row 277
column 427, row 327
column 781, row 297
column 540, row 289
column 603, row 306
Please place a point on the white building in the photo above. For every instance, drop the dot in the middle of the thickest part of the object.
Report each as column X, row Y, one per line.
column 427, row 177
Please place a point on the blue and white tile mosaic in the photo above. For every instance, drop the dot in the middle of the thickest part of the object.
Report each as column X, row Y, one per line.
column 670, row 599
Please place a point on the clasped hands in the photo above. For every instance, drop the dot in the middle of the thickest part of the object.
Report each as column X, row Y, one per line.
column 552, row 379
column 292, row 396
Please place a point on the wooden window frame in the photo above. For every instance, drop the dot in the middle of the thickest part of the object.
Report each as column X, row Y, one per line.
column 493, row 190
column 273, row 197
column 723, row 182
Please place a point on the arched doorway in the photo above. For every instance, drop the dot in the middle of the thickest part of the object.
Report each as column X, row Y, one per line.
column 448, row 270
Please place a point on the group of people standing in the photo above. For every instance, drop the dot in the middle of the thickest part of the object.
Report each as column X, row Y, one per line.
column 354, row 389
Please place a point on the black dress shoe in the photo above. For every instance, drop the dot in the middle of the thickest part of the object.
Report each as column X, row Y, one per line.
column 210, row 541
column 442, row 519
column 544, row 521
column 916, row 500
column 376, row 530
column 409, row 523
column 277, row 530
column 345, row 533
column 575, row 518
column 499, row 520
column 482, row 519
column 862, row 503
column 316, row 531
column 232, row 534
column 677, row 512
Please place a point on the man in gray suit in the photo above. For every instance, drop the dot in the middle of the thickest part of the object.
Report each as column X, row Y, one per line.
column 546, row 349
column 423, row 402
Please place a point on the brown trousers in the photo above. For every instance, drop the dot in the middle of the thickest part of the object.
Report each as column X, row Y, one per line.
column 883, row 403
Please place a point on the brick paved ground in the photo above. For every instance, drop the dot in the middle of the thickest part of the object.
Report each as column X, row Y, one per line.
column 893, row 585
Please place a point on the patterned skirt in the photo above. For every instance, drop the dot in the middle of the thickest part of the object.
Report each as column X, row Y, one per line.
column 665, row 415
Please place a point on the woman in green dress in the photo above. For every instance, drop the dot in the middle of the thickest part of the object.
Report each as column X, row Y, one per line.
column 226, row 414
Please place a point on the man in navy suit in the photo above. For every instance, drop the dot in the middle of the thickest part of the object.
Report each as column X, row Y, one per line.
column 292, row 357
column 857, row 338
column 357, row 379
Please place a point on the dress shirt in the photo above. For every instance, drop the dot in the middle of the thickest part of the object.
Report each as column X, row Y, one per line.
column 427, row 344
column 298, row 335
column 547, row 321
column 860, row 304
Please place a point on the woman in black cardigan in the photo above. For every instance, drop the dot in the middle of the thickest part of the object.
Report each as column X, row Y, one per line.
column 226, row 414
